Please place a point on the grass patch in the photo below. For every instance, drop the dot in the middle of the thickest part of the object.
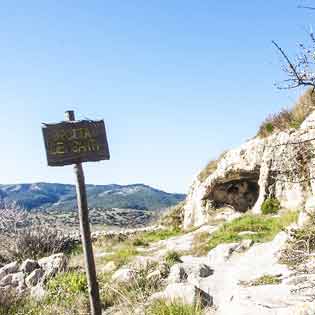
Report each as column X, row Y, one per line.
column 162, row 307
column 266, row 227
column 270, row 206
column 263, row 280
column 122, row 255
column 154, row 236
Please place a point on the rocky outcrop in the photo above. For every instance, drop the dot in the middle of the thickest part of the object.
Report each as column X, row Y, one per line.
column 30, row 275
column 281, row 166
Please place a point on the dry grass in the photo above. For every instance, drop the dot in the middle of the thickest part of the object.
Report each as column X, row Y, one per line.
column 287, row 119
column 210, row 168
column 36, row 242
column 300, row 247
column 263, row 280
column 174, row 217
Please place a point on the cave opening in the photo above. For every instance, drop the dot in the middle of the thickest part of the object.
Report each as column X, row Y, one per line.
column 241, row 193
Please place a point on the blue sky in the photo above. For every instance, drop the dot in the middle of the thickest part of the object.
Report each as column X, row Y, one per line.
column 176, row 82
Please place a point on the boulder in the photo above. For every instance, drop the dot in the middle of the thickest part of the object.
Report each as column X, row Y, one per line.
column 198, row 270
column 38, row 292
column 124, row 275
column 53, row 264
column 186, row 293
column 34, row 278
column 29, row 265
column 220, row 254
column 9, row 268
column 177, row 274
column 17, row 279
column 109, row 267
column 244, row 245
column 6, row 280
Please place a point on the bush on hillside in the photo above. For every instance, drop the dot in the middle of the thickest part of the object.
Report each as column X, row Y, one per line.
column 270, row 206
column 37, row 241
column 292, row 118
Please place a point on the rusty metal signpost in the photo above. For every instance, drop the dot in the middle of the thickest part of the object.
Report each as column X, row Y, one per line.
column 74, row 142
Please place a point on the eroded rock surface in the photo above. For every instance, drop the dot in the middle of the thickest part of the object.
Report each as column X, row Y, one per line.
column 279, row 166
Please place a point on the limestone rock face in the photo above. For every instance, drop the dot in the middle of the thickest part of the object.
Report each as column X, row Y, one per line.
column 281, row 166
column 185, row 292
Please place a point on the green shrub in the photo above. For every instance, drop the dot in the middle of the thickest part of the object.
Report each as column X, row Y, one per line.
column 172, row 258
column 270, row 206
column 161, row 307
column 269, row 127
column 139, row 242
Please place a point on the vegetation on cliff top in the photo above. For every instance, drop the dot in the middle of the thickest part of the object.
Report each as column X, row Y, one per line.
column 289, row 118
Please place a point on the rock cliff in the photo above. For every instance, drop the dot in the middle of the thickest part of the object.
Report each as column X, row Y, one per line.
column 279, row 166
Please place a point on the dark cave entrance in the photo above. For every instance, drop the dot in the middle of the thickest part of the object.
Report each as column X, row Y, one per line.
column 241, row 193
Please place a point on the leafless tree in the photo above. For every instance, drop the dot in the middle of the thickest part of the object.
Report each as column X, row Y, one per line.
column 11, row 219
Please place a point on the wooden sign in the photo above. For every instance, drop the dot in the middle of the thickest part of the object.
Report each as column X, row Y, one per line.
column 72, row 142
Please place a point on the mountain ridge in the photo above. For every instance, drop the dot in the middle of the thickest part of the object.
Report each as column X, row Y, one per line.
column 56, row 196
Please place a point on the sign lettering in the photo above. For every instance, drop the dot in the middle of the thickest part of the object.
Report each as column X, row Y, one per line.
column 75, row 142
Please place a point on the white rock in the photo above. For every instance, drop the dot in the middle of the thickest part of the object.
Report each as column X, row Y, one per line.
column 109, row 267
column 53, row 264
column 220, row 254
column 29, row 265
column 247, row 233
column 268, row 162
column 186, row 293
column 124, row 275
column 244, row 245
column 177, row 274
column 7, row 280
column 17, row 279
column 34, row 278
column 9, row 268
column 38, row 292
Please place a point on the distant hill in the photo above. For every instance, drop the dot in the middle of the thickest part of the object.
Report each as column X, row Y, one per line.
column 48, row 196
